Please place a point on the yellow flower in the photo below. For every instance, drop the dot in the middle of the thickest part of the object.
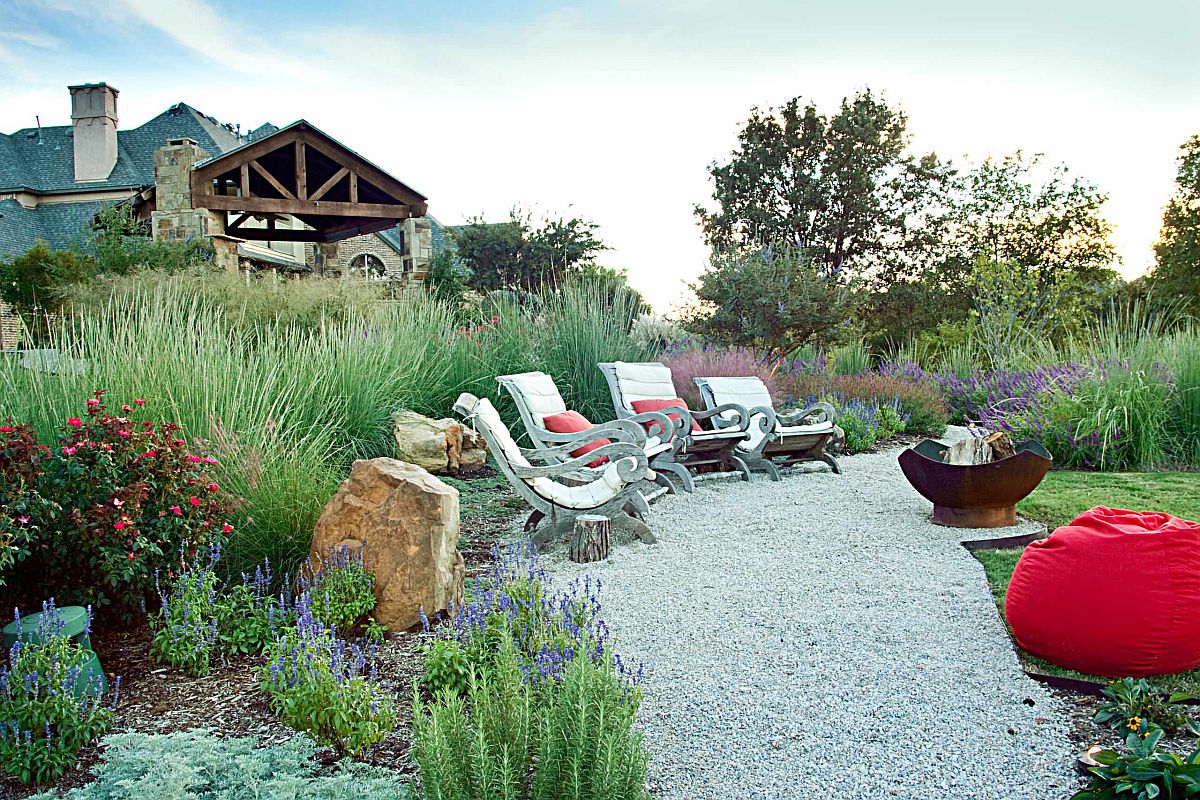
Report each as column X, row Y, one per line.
column 1134, row 723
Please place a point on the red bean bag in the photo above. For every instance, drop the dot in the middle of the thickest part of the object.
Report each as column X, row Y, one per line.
column 1114, row 593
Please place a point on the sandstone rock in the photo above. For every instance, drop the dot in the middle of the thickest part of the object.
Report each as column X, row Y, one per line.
column 405, row 521
column 438, row 445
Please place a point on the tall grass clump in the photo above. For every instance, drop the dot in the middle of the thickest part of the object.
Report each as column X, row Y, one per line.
column 287, row 390
column 852, row 358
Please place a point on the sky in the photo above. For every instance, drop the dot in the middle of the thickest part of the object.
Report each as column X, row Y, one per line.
column 612, row 110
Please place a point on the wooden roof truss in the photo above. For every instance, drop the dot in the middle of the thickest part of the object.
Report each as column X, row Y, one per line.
column 298, row 171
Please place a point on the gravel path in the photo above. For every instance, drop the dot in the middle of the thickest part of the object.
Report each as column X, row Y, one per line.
column 820, row 638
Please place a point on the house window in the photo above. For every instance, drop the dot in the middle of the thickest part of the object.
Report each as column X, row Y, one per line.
column 367, row 267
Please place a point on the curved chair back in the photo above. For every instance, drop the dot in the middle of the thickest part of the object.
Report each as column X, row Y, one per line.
column 629, row 382
column 537, row 397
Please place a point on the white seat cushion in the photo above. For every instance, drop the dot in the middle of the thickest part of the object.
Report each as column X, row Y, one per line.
column 540, row 394
column 644, row 381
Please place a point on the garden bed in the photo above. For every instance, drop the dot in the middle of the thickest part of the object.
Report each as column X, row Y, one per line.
column 161, row 700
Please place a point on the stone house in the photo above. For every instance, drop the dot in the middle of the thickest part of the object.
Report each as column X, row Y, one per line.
column 288, row 199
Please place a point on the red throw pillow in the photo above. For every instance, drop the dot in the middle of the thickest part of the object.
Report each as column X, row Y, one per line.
column 574, row 422
column 642, row 406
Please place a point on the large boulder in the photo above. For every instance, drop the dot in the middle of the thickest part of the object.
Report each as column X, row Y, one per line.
column 405, row 521
column 438, row 445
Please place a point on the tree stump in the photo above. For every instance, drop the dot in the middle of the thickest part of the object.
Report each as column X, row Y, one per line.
column 591, row 538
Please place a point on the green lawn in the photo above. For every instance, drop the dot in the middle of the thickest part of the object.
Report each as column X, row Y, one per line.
column 1063, row 496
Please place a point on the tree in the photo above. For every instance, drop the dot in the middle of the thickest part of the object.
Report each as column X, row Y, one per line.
column 614, row 282
column 844, row 190
column 1044, row 223
column 35, row 283
column 518, row 256
column 772, row 300
column 1176, row 275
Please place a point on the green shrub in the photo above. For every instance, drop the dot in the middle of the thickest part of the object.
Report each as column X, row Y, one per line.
column 197, row 765
column 1128, row 703
column 319, row 684
column 523, row 697
column 47, row 703
column 573, row 735
column 114, row 500
column 447, row 667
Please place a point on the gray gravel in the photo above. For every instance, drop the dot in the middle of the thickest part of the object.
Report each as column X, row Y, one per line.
column 820, row 638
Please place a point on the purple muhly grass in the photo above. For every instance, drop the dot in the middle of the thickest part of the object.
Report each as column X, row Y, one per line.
column 713, row 362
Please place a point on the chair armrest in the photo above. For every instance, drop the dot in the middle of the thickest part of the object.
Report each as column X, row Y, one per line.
column 740, row 420
column 621, row 430
column 616, row 452
column 765, row 418
column 657, row 423
column 823, row 412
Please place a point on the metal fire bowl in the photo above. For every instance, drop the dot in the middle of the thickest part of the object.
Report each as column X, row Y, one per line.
column 974, row 495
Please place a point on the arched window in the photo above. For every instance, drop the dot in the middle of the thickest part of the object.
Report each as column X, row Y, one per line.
column 367, row 267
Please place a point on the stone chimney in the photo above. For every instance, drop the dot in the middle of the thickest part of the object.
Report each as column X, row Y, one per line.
column 94, row 117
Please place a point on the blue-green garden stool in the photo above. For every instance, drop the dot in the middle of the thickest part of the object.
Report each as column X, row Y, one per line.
column 92, row 680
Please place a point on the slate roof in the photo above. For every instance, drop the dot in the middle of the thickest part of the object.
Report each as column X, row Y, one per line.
column 44, row 162
column 58, row 224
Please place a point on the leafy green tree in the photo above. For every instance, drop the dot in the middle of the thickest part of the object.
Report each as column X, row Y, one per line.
column 1041, row 222
column 772, row 300
column 446, row 279
column 36, row 282
column 843, row 189
column 614, row 282
column 1176, row 276
column 518, row 255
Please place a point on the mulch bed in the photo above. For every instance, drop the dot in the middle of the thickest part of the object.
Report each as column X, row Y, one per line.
column 228, row 701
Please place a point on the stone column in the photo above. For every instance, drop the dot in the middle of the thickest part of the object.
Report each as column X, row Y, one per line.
column 174, row 219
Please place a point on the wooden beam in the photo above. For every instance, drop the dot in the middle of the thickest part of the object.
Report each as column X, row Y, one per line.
column 237, row 223
column 245, row 170
column 280, row 235
column 353, row 187
column 365, row 169
column 271, row 179
column 268, row 205
column 301, row 172
column 329, row 184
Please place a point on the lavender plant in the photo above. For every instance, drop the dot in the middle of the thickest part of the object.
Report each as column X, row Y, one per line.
column 249, row 616
column 49, row 704
column 322, row 685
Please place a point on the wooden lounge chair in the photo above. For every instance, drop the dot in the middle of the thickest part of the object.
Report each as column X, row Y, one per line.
column 692, row 446
column 553, row 487
column 775, row 440
column 537, row 397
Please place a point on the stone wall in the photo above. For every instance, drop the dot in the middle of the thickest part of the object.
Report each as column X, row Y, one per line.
column 10, row 328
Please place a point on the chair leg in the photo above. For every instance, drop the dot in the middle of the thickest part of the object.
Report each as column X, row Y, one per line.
column 534, row 518
column 679, row 471
column 637, row 506
column 663, row 481
column 740, row 466
column 832, row 462
column 771, row 469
